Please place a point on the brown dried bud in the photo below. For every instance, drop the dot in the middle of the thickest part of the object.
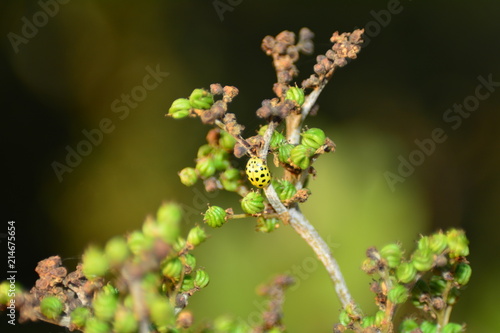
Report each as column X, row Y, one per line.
column 312, row 82
column 218, row 109
column 320, row 69
column 185, row 319
column 211, row 184
column 280, row 48
column 230, row 93
column 232, row 127
column 305, row 44
column 286, row 37
column 268, row 44
column 293, row 53
column 305, row 33
column 280, row 89
column 213, row 136
column 216, row 89
column 265, row 111
column 239, row 150
column 285, row 76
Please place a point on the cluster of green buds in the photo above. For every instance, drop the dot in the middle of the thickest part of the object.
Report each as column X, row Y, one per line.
column 213, row 164
column 151, row 270
column 183, row 107
column 431, row 277
column 314, row 142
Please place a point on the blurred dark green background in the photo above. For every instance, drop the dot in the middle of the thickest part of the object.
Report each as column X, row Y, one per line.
column 418, row 63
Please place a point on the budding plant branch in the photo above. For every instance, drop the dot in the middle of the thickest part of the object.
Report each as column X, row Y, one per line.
column 142, row 282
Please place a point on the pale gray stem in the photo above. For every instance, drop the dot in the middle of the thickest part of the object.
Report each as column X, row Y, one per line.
column 305, row 229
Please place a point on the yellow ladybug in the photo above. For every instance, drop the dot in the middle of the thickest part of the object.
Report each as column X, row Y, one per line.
column 258, row 172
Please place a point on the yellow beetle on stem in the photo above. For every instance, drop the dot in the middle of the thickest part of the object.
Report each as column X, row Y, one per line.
column 258, row 172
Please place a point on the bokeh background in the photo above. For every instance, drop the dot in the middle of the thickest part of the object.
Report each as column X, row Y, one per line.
column 418, row 63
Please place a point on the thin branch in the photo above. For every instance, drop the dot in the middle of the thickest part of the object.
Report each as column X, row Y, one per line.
column 305, row 229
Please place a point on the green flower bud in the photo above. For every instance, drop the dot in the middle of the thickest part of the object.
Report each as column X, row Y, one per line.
column 284, row 152
column 398, row 294
column 463, row 272
column 423, row 260
column 181, row 114
column 94, row 325
column 168, row 218
column 206, row 167
column 406, row 272
column 125, row 321
column 230, row 179
column 344, row 318
column 226, row 141
column 379, row 318
column 116, row 251
column 187, row 283
column 110, row 289
column 368, row 321
column 180, row 244
column 392, row 253
column 215, row 216
column 438, row 242
column 266, row 225
column 189, row 262
column 201, row 279
column 201, row 99
column 139, row 243
column 300, row 156
column 437, row 285
column 453, row 328
column 79, row 316
column 196, row 236
column 408, row 326
column 428, row 327
column 180, row 108
column 105, row 306
column 204, row 151
column 285, row 189
column 253, row 203
column 161, row 312
column 173, row 269
column 51, row 307
column 277, row 139
column 423, row 243
column 188, row 176
column 295, row 94
column 457, row 243
column 220, row 159
column 95, row 263
column 313, row 138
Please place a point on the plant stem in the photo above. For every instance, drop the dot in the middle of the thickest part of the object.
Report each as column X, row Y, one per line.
column 306, row 230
